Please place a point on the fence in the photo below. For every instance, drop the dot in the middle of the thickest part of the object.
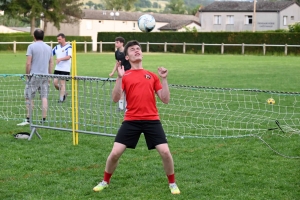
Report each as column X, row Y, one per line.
column 184, row 46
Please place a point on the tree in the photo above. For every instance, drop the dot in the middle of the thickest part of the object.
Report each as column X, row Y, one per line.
column 89, row 4
column 294, row 27
column 55, row 11
column 143, row 4
column 119, row 4
column 98, row 6
column 193, row 10
column 21, row 8
column 176, row 7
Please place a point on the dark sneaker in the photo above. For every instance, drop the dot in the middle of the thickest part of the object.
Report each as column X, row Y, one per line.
column 65, row 96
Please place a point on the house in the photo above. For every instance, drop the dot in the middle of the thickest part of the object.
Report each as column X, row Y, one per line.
column 5, row 29
column 94, row 21
column 239, row 15
column 181, row 26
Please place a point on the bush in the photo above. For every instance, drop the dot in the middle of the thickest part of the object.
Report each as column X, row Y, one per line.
column 294, row 27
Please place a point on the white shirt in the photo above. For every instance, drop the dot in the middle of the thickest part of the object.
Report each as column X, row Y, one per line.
column 60, row 52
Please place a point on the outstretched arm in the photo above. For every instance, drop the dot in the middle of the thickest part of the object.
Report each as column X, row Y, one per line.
column 114, row 69
column 63, row 59
column 164, row 93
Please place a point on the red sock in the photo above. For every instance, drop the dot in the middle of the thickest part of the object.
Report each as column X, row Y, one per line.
column 107, row 177
column 171, row 178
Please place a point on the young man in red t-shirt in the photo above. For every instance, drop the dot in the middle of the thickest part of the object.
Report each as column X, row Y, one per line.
column 141, row 114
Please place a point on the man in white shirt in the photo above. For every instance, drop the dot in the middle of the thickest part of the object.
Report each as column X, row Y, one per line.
column 63, row 52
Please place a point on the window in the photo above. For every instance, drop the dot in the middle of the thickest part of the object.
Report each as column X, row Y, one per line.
column 292, row 17
column 89, row 25
column 230, row 19
column 284, row 20
column 248, row 19
column 133, row 27
column 217, row 19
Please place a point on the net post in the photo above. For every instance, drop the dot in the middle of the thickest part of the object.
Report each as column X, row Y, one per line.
column 74, row 96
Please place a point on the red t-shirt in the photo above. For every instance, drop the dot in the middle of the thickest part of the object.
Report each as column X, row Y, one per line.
column 140, row 87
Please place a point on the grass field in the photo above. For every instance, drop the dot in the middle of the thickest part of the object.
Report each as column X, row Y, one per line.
column 237, row 168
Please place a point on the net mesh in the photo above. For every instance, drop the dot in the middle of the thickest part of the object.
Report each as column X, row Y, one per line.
column 191, row 112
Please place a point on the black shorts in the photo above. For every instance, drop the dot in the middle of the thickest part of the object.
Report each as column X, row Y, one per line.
column 130, row 131
column 62, row 73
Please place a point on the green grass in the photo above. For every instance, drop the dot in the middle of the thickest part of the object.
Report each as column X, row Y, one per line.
column 237, row 168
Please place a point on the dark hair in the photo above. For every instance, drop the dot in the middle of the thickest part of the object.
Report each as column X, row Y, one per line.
column 120, row 39
column 38, row 34
column 61, row 35
column 130, row 44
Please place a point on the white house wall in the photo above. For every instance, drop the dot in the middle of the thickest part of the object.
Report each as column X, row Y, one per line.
column 291, row 11
column 264, row 20
column 267, row 21
column 89, row 27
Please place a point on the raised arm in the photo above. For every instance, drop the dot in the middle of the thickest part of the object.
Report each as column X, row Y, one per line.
column 117, row 91
column 164, row 93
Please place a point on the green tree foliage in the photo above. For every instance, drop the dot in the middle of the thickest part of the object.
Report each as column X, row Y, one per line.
column 55, row 11
column 155, row 5
column 176, row 7
column 93, row 5
column 295, row 27
column 89, row 4
column 194, row 10
column 143, row 4
column 13, row 22
column 120, row 4
column 188, row 29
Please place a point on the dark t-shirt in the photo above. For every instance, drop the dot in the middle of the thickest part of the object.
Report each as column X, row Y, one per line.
column 121, row 57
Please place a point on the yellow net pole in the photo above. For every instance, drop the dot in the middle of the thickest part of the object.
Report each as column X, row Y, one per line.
column 74, row 96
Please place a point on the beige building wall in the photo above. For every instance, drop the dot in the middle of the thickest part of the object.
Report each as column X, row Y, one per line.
column 65, row 28
column 292, row 13
column 207, row 20
column 89, row 27
column 264, row 20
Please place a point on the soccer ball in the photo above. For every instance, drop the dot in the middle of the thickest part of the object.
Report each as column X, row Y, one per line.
column 146, row 23
column 270, row 101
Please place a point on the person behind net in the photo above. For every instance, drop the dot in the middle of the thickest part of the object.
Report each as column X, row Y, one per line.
column 39, row 61
column 63, row 52
column 120, row 57
column 141, row 115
